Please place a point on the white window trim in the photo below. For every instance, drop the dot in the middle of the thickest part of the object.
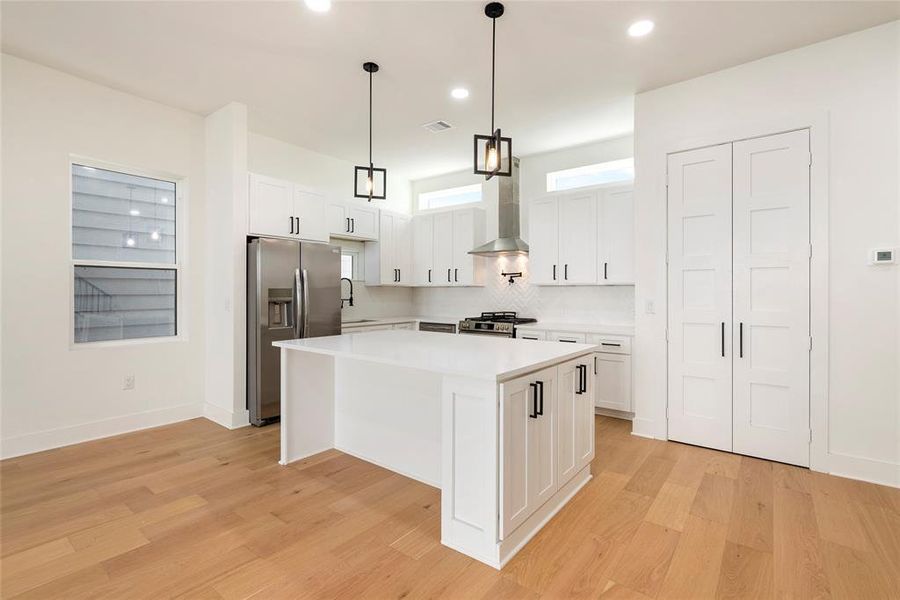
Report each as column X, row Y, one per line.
column 180, row 266
column 618, row 162
column 425, row 211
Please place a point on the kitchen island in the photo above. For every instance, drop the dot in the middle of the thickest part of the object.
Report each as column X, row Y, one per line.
column 503, row 427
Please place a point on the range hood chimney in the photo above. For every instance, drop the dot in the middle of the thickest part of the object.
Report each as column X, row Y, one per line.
column 509, row 241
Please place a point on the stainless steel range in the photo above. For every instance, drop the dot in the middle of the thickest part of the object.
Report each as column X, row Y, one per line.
column 501, row 324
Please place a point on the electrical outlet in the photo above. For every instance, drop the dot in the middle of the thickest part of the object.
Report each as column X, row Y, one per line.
column 650, row 307
column 128, row 382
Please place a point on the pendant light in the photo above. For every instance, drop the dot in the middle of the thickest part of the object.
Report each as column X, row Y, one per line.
column 493, row 153
column 369, row 182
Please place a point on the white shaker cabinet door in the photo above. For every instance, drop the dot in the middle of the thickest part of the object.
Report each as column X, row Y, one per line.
column 699, row 307
column 543, row 242
column 616, row 237
column 612, row 381
column 271, row 207
column 423, row 250
column 577, row 239
column 312, row 220
column 443, row 248
column 363, row 222
column 574, row 417
column 771, row 297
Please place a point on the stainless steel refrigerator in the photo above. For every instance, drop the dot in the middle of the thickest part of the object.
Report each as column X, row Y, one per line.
column 293, row 291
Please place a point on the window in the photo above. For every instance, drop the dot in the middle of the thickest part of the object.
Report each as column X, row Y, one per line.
column 608, row 172
column 124, row 255
column 465, row 194
column 347, row 265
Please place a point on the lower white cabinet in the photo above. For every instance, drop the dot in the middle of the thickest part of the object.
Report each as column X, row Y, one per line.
column 548, row 433
column 612, row 372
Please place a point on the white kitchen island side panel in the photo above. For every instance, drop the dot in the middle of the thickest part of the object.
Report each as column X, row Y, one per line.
column 389, row 416
column 307, row 406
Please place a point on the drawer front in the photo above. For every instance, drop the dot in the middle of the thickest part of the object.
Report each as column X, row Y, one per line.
column 531, row 335
column 572, row 338
column 613, row 344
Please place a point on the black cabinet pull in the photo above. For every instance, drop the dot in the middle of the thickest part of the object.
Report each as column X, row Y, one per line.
column 723, row 338
column 448, row 275
column 610, row 344
column 292, row 224
column 584, row 369
column 566, row 271
column 540, row 385
column 554, row 272
column 604, row 270
column 429, row 275
column 456, row 275
column 352, row 225
column 347, row 224
column 569, row 341
column 298, row 224
column 399, row 275
column 578, row 389
column 595, row 365
column 741, row 339
column 533, row 414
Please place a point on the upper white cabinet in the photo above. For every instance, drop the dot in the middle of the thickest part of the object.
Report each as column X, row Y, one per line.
column 584, row 237
column 284, row 209
column 387, row 260
column 441, row 244
column 352, row 221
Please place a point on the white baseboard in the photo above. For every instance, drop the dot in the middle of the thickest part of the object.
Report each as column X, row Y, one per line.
column 647, row 428
column 84, row 432
column 864, row 469
column 226, row 418
column 615, row 414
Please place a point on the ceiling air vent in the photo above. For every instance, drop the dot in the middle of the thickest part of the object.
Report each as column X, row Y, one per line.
column 436, row 126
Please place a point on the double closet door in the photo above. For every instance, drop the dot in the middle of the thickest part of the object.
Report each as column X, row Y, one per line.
column 738, row 316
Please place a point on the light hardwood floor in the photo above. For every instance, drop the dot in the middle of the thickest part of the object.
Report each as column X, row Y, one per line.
column 193, row 510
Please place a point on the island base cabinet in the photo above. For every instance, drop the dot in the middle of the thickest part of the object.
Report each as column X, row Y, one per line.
column 574, row 417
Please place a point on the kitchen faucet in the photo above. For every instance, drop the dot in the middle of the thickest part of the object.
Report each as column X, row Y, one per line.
column 350, row 299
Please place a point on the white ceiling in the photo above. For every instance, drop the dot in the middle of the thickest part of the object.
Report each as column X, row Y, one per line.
column 567, row 71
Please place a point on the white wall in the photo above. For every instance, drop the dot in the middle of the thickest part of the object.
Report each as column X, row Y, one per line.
column 583, row 304
column 51, row 394
column 854, row 81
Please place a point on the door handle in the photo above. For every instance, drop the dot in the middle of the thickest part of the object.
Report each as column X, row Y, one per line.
column 578, row 389
column 554, row 272
column 540, row 385
column 741, row 339
column 295, row 299
column 456, row 275
column 533, row 413
column 604, row 270
column 723, row 339
column 566, row 271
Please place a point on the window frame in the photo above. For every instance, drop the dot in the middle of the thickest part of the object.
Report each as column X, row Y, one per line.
column 554, row 175
column 179, row 266
column 479, row 202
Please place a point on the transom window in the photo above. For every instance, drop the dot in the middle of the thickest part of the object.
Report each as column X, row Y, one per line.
column 614, row 171
column 465, row 194
column 124, row 255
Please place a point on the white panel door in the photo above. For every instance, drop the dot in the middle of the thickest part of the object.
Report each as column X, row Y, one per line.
column 443, row 248
column 584, row 417
column 463, row 241
column 771, row 297
column 613, row 381
column 568, row 393
column 616, row 213
column 518, row 410
column 338, row 221
column 542, row 439
column 272, row 207
column 402, row 248
column 363, row 222
column 386, row 269
column 577, row 239
column 699, row 307
column 310, row 210
column 423, row 250
column 543, row 241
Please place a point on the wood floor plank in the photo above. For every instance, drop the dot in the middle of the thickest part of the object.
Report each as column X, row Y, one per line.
column 192, row 510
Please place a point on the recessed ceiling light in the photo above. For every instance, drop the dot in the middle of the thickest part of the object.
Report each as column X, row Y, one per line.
column 640, row 28
column 459, row 93
column 318, row 5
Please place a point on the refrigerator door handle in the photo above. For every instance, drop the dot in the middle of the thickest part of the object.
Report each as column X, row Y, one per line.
column 295, row 298
column 304, row 305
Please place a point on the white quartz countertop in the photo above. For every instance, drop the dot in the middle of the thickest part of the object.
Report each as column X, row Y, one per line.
column 375, row 321
column 481, row 357
column 607, row 328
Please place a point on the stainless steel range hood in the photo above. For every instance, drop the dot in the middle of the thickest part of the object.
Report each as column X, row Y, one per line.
column 509, row 241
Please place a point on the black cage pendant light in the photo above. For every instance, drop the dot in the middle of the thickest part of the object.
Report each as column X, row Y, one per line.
column 369, row 182
column 493, row 153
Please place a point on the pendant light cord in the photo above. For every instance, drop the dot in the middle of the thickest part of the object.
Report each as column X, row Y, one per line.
column 493, row 67
column 370, row 124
